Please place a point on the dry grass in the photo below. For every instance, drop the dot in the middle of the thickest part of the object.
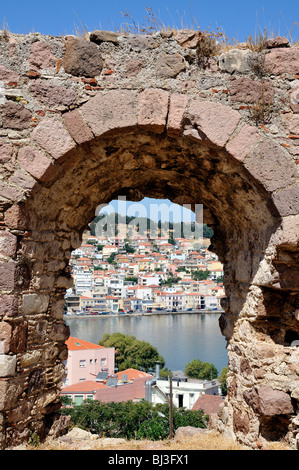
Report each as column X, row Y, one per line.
column 209, row 441
column 201, row 442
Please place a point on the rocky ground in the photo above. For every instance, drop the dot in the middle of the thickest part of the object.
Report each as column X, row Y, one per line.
column 187, row 438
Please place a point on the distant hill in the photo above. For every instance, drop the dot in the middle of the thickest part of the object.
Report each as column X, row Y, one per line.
column 110, row 225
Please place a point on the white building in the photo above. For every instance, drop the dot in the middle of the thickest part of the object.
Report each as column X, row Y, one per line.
column 82, row 282
column 185, row 392
column 115, row 286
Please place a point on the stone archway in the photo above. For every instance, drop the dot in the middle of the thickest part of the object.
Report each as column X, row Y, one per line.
column 157, row 143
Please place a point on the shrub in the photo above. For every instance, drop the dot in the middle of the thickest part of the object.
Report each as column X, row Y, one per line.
column 130, row 420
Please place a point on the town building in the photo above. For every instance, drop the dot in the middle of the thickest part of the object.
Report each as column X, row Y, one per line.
column 144, row 274
column 185, row 391
column 128, row 385
column 86, row 360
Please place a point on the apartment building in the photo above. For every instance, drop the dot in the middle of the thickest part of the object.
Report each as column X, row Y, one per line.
column 86, row 360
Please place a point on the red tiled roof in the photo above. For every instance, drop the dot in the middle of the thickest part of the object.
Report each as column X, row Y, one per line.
column 208, row 403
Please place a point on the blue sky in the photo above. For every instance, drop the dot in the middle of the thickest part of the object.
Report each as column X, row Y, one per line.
column 154, row 209
column 238, row 19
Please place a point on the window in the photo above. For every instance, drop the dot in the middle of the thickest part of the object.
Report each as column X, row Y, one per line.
column 78, row 400
column 90, row 361
column 103, row 361
column 82, row 363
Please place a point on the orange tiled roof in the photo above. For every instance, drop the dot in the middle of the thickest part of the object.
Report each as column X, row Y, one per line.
column 132, row 374
column 87, row 386
column 76, row 344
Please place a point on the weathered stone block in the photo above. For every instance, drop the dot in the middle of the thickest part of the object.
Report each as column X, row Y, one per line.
column 7, row 365
column 113, row 110
column 133, row 67
column 15, row 116
column 30, row 358
column 187, row 38
column 7, row 75
column 37, row 333
column 282, row 60
column 153, row 109
column 18, row 342
column 213, row 121
column 287, row 200
column 36, row 380
column 7, row 276
column 241, row 422
column 52, row 95
column 169, row 65
column 8, row 244
column 8, row 393
column 236, row 60
column 269, row 402
column 22, row 180
column 241, row 145
column 5, row 337
column 8, row 305
column 15, row 218
column 103, row 36
column 59, row 332
column 245, row 90
column 177, row 107
column 277, row 42
column 11, row 193
column 37, row 164
column 41, row 56
column 20, row 413
column 77, row 128
column 271, row 166
column 264, row 351
column 35, row 303
column 82, row 58
column 53, row 137
column 6, row 150
column 22, row 276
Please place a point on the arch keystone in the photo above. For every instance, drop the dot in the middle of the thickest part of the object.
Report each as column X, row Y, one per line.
column 113, row 110
column 177, row 107
column 153, row 110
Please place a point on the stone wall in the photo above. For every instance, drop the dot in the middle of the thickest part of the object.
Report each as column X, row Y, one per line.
column 85, row 120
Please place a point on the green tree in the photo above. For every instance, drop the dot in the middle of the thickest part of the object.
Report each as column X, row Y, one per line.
column 200, row 275
column 132, row 352
column 207, row 231
column 201, row 370
column 222, row 380
column 133, row 279
column 110, row 259
column 129, row 248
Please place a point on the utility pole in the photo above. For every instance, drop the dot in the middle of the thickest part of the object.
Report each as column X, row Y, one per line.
column 170, row 408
